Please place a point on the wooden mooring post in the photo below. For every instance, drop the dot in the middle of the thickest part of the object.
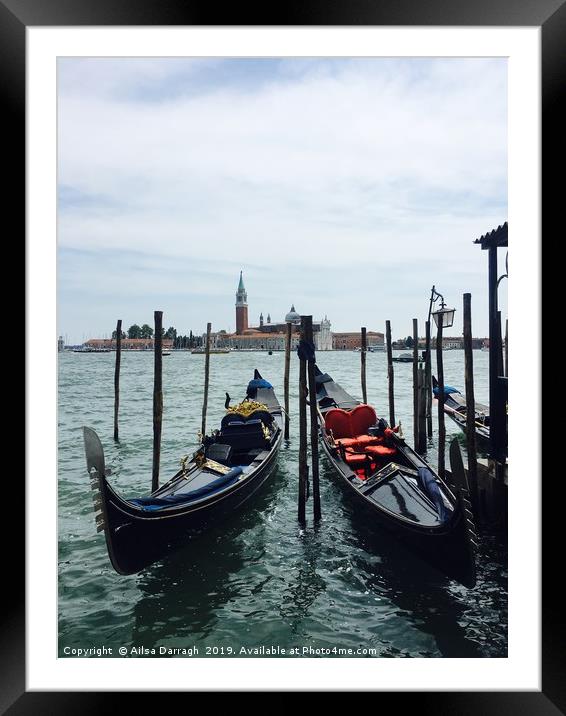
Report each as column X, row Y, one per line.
column 506, row 348
column 422, row 401
column 390, row 375
column 303, row 466
column 206, row 377
column 117, row 377
column 363, row 365
column 470, row 402
column 428, row 379
column 500, row 359
column 286, row 377
column 157, row 397
column 441, row 426
column 313, row 407
column 416, row 384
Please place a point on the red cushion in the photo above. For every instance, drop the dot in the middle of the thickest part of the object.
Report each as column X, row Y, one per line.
column 355, row 458
column 361, row 418
column 348, row 424
column 338, row 421
column 360, row 441
column 382, row 450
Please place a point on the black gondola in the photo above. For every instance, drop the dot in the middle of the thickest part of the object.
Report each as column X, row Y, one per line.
column 403, row 358
column 399, row 489
column 226, row 470
column 455, row 408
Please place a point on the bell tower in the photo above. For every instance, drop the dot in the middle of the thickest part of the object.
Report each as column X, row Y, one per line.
column 241, row 308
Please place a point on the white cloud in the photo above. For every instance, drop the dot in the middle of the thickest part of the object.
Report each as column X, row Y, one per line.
column 384, row 163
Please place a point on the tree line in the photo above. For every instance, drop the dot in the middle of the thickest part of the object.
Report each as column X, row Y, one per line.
column 146, row 331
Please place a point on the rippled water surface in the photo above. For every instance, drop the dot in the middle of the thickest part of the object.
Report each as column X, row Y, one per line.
column 257, row 579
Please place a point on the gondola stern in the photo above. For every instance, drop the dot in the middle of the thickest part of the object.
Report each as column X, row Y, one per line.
column 100, row 490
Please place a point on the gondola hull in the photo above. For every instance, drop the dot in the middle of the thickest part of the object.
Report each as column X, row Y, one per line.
column 391, row 499
column 137, row 537
column 481, row 433
column 455, row 409
column 447, row 550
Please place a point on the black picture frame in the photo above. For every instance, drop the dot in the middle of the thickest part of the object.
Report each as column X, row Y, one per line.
column 15, row 17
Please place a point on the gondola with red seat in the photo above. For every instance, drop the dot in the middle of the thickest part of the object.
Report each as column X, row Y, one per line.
column 401, row 490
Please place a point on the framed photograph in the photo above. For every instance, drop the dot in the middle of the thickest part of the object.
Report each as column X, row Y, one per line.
column 211, row 209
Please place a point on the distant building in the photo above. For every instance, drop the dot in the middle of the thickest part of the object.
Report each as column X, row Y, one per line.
column 267, row 335
column 241, row 308
column 350, row 340
column 451, row 342
column 129, row 344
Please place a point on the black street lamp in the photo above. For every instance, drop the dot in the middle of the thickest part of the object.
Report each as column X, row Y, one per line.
column 443, row 316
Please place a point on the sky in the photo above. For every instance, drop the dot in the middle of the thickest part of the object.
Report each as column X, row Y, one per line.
column 347, row 187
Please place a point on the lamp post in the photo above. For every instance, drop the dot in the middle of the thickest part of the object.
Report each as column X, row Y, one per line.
column 444, row 318
column 441, row 315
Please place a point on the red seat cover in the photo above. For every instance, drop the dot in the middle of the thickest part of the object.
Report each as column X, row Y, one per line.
column 355, row 458
column 360, row 441
column 349, row 424
column 382, row 450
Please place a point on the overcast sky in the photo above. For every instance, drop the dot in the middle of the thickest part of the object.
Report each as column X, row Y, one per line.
column 346, row 187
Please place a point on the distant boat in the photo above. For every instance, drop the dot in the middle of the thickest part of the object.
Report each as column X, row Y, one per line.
column 403, row 358
column 90, row 349
column 165, row 353
column 270, row 353
column 201, row 351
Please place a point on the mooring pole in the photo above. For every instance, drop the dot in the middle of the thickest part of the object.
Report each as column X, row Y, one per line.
column 117, row 377
column 440, row 397
column 206, row 375
column 363, row 365
column 422, row 409
column 313, row 408
column 157, row 397
column 390, row 374
column 470, row 402
column 286, row 377
column 506, row 348
column 416, row 384
column 303, row 467
column 500, row 360
column 428, row 380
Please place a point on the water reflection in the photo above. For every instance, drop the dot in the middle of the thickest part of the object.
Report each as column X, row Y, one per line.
column 303, row 590
column 184, row 593
column 429, row 601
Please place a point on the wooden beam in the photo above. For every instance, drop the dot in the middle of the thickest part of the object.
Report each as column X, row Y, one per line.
column 470, row 402
column 157, row 397
column 206, row 378
column 363, row 365
column 390, row 374
column 117, row 377
column 286, row 377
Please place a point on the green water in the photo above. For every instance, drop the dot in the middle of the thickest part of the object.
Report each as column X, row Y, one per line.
column 257, row 580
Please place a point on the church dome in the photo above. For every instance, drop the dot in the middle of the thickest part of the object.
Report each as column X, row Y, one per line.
column 293, row 316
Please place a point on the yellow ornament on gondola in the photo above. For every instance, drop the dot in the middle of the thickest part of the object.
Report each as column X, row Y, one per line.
column 247, row 407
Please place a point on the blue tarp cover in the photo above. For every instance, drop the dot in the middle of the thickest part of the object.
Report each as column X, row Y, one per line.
column 447, row 390
column 430, row 486
column 158, row 503
column 259, row 383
